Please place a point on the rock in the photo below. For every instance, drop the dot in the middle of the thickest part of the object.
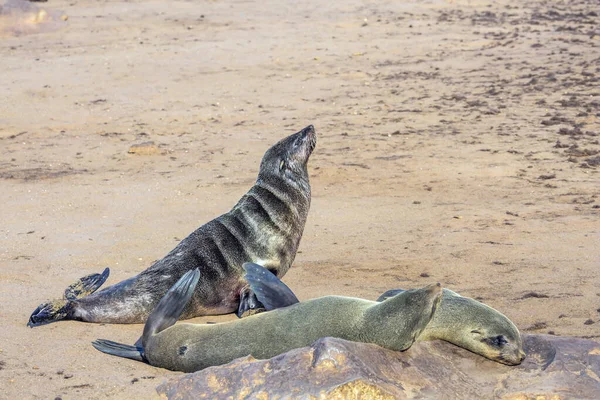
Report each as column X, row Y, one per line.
column 144, row 149
column 555, row 368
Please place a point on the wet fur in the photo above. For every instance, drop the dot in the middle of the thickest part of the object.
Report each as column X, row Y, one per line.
column 265, row 227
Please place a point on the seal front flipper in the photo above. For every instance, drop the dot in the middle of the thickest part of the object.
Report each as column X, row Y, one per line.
column 249, row 304
column 268, row 288
column 56, row 310
column 170, row 307
column 86, row 285
column 120, row 350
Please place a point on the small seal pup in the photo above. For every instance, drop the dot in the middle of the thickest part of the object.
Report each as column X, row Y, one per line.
column 474, row 326
column 265, row 227
column 394, row 323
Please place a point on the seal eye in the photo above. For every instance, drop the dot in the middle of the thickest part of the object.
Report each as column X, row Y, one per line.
column 496, row 341
column 500, row 341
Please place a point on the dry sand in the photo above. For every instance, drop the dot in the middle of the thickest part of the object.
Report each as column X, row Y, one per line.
column 458, row 142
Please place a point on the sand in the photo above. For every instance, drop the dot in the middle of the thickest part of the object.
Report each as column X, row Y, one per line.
column 458, row 142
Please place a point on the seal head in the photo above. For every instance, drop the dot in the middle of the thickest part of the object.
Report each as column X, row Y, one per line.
column 478, row 328
column 288, row 159
column 474, row 326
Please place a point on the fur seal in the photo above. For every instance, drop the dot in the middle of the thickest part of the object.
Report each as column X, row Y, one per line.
column 394, row 323
column 459, row 320
column 264, row 227
column 474, row 326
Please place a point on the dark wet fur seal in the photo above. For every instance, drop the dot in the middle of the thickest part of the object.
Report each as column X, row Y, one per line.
column 474, row 326
column 264, row 227
column 394, row 324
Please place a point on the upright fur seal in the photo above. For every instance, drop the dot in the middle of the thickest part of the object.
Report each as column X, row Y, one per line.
column 394, row 324
column 474, row 326
column 264, row 227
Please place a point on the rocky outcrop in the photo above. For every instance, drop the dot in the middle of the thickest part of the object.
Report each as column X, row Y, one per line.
column 555, row 368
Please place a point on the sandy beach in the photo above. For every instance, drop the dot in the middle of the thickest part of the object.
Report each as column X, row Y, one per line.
column 458, row 142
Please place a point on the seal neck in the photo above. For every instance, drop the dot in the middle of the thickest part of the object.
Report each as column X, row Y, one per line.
column 402, row 318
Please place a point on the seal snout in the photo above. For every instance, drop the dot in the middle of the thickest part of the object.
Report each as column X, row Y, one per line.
column 514, row 356
column 309, row 135
column 515, row 360
column 309, row 130
column 518, row 358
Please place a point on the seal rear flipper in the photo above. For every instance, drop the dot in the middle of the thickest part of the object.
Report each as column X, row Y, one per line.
column 51, row 311
column 170, row 307
column 120, row 350
column 56, row 310
column 268, row 288
column 86, row 285
column 389, row 293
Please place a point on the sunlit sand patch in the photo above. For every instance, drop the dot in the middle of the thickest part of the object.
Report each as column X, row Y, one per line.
column 20, row 17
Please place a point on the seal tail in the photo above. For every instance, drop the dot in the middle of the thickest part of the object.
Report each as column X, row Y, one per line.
column 56, row 310
column 269, row 289
column 120, row 350
column 170, row 307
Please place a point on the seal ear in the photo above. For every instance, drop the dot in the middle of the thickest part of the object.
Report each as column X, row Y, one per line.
column 269, row 290
column 170, row 307
column 388, row 294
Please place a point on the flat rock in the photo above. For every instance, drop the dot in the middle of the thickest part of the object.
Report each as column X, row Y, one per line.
column 555, row 368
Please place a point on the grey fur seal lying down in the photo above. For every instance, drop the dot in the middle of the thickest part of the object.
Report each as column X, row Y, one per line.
column 265, row 226
column 460, row 320
column 394, row 323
